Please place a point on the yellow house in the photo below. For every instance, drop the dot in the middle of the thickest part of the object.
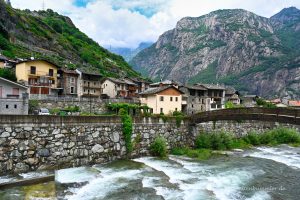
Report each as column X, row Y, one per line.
column 164, row 99
column 39, row 75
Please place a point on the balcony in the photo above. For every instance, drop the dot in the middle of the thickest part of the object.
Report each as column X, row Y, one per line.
column 41, row 73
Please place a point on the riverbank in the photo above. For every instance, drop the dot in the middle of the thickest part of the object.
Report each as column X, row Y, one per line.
column 258, row 173
column 208, row 145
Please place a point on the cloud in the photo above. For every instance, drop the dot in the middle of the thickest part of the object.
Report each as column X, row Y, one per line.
column 126, row 23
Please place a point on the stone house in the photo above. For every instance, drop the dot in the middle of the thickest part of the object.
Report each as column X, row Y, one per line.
column 231, row 95
column 202, row 97
column 68, row 82
column 142, row 85
column 163, row 83
column 165, row 99
column 249, row 100
column 13, row 98
column 40, row 76
column 88, row 84
column 116, row 88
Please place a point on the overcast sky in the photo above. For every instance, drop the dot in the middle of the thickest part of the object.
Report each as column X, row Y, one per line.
column 126, row 23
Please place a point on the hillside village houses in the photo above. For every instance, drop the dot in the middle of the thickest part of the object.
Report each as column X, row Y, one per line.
column 13, row 98
column 163, row 99
column 89, row 84
column 39, row 75
column 203, row 97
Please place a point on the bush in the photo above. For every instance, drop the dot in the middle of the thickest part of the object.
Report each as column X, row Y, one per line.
column 201, row 154
column 203, row 141
column 159, row 147
column 252, row 138
column 8, row 74
column 283, row 136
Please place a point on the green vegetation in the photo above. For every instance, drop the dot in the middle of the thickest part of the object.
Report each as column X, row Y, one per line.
column 159, row 147
column 33, row 105
column 212, row 44
column 8, row 74
column 263, row 103
column 72, row 48
column 127, row 129
column 200, row 154
column 128, row 108
column 207, row 75
column 207, row 143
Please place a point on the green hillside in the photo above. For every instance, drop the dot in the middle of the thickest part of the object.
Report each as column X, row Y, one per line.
column 46, row 34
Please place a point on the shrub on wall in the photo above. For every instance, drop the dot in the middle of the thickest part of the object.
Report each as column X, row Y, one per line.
column 127, row 129
column 159, row 147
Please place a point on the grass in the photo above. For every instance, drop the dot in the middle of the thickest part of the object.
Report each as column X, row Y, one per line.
column 206, row 144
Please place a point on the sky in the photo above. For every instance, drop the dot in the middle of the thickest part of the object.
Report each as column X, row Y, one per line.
column 126, row 23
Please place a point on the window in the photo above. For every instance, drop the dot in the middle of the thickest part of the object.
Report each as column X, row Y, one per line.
column 95, row 83
column 176, row 109
column 16, row 106
column 7, row 106
column 192, row 105
column 161, row 98
column 94, row 91
column 72, row 90
column 53, row 81
column 88, row 83
column 51, row 72
column 161, row 110
column 32, row 70
column 84, row 82
column 72, row 80
column 171, row 98
column 176, row 98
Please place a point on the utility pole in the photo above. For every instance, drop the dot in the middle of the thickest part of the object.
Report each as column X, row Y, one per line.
column 43, row 5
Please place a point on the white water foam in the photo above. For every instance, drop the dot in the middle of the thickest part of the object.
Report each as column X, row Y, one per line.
column 196, row 183
column 261, row 195
column 104, row 185
column 34, row 174
column 75, row 175
column 289, row 157
column 6, row 179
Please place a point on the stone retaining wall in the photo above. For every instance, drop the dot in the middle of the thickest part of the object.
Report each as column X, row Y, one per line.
column 240, row 128
column 45, row 142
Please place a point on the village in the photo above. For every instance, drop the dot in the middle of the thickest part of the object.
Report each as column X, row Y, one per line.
column 39, row 80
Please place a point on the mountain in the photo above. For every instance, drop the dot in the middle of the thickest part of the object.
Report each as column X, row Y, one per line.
column 252, row 53
column 129, row 53
column 48, row 35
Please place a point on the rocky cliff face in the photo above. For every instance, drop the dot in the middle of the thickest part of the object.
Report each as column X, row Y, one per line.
column 46, row 34
column 236, row 47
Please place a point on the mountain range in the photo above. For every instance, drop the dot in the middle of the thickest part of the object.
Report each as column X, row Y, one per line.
column 235, row 47
column 129, row 53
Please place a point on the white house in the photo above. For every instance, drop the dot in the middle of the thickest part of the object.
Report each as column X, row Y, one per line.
column 13, row 98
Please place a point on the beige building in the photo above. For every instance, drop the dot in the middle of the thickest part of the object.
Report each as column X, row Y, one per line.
column 164, row 99
column 114, row 88
column 39, row 75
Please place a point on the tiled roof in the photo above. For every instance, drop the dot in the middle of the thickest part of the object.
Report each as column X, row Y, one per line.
column 14, row 83
column 158, row 89
column 115, row 80
column 195, row 87
column 68, row 71
column 211, row 86
column 294, row 103
column 29, row 60
column 166, row 82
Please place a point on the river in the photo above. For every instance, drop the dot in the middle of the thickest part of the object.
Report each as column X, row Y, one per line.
column 261, row 173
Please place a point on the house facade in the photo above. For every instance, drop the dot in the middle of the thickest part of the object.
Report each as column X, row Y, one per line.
column 68, row 81
column 13, row 98
column 249, row 100
column 164, row 99
column 142, row 85
column 88, row 84
column 40, row 76
column 231, row 95
column 202, row 97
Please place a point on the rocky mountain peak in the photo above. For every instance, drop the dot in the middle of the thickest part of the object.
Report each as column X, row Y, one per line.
column 287, row 15
column 235, row 47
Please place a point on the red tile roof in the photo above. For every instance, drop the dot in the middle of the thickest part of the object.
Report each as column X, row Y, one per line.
column 294, row 103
